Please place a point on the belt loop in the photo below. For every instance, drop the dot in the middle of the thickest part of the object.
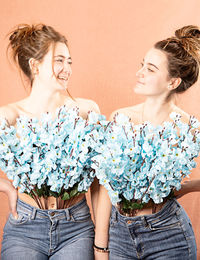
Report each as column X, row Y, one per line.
column 115, row 215
column 33, row 214
column 175, row 202
column 146, row 224
column 67, row 214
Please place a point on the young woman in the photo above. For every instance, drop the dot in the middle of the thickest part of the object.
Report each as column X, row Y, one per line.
column 170, row 67
column 43, row 57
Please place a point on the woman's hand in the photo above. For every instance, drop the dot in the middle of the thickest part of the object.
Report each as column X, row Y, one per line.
column 187, row 187
column 12, row 197
column 101, row 256
column 7, row 187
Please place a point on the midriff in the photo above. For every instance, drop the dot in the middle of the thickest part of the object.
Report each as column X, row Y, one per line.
column 149, row 211
column 149, row 208
column 51, row 201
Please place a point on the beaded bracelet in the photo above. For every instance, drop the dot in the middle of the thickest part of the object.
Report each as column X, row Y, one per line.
column 101, row 249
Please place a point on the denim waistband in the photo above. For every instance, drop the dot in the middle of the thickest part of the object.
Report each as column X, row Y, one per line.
column 34, row 212
column 169, row 207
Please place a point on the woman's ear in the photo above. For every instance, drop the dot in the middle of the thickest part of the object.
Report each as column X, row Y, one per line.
column 33, row 66
column 174, row 83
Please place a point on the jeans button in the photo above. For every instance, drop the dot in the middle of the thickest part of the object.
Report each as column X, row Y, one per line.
column 129, row 221
column 52, row 214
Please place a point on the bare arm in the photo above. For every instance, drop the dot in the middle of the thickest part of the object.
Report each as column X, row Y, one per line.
column 94, row 196
column 102, row 223
column 7, row 187
column 188, row 187
column 103, row 218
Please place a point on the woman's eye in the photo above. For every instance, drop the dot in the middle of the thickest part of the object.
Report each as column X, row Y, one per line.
column 150, row 70
column 59, row 60
column 69, row 62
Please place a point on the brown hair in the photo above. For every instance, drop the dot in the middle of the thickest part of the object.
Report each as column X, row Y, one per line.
column 32, row 41
column 183, row 57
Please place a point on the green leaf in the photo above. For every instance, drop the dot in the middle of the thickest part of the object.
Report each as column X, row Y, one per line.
column 128, row 205
column 53, row 193
column 137, row 205
column 65, row 196
column 73, row 192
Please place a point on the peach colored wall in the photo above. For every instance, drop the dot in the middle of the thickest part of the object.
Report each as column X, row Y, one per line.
column 107, row 39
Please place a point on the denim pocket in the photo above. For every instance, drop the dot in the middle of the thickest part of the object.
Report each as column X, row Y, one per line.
column 187, row 228
column 22, row 219
column 113, row 220
column 167, row 222
column 83, row 214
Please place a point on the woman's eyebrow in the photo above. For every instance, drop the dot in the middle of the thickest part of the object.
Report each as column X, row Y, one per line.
column 62, row 56
column 151, row 64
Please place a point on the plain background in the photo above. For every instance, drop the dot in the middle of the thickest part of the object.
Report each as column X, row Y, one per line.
column 107, row 40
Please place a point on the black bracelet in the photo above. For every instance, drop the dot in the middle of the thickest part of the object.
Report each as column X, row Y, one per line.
column 101, row 249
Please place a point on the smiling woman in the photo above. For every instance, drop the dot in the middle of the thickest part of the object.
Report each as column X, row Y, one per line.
column 57, row 68
column 48, row 221
column 62, row 56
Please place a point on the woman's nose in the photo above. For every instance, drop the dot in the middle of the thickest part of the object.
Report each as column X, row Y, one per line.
column 67, row 67
column 140, row 73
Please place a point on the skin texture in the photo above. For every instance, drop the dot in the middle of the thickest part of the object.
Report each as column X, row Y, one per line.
column 154, row 83
column 51, row 77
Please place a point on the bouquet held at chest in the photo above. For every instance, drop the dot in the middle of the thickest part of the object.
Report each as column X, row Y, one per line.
column 50, row 157
column 60, row 157
column 143, row 163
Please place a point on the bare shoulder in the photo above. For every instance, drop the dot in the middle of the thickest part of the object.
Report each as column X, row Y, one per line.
column 184, row 116
column 134, row 112
column 9, row 112
column 87, row 105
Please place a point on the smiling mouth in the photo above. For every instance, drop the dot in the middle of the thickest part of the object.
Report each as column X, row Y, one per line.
column 63, row 78
column 139, row 83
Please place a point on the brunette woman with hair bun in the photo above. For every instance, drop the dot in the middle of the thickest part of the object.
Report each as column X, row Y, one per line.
column 52, row 232
column 156, row 231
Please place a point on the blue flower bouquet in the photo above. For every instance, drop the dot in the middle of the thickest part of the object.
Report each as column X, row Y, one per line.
column 50, row 157
column 142, row 163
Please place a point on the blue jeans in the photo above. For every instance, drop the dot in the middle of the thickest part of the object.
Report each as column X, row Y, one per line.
column 165, row 235
column 49, row 234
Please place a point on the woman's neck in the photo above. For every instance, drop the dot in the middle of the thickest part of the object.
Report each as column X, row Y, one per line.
column 156, row 111
column 43, row 100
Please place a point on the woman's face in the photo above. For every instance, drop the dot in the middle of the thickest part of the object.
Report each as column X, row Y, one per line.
column 55, row 68
column 153, row 78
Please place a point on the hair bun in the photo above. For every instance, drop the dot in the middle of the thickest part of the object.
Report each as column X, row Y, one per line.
column 20, row 33
column 189, row 38
column 189, row 31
